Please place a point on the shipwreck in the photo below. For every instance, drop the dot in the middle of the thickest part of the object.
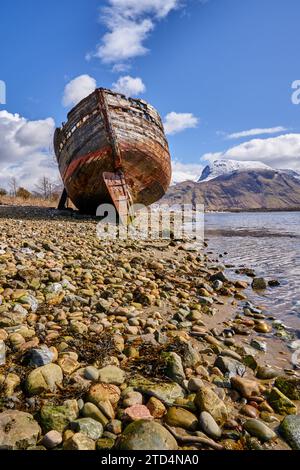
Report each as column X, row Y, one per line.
column 112, row 149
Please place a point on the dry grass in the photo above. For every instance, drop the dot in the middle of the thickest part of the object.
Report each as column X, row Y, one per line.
column 32, row 201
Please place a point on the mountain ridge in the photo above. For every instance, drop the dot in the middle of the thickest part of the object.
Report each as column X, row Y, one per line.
column 224, row 167
column 247, row 190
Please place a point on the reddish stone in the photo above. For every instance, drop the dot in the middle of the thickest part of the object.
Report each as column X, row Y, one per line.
column 137, row 412
column 250, row 411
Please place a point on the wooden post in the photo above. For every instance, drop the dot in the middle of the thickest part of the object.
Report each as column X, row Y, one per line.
column 62, row 201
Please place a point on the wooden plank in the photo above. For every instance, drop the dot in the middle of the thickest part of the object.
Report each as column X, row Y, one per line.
column 120, row 195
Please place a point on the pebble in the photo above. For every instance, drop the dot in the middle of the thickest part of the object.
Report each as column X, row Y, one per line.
column 207, row 400
column 89, row 427
column 39, row 357
column 104, row 323
column 267, row 373
column 258, row 429
column 91, row 373
column 259, row 345
column 174, row 367
column 247, row 388
column 289, row 386
column 92, row 411
column 259, row 283
column 145, row 435
column 44, row 379
column 280, row 403
column 57, row 418
column 115, row 426
column 112, row 375
column 132, row 398
column 156, row 408
column 2, row 353
column 209, row 425
column 250, row 411
column 136, row 413
column 52, row 439
column 230, row 366
column 179, row 417
column 104, row 392
column 79, row 442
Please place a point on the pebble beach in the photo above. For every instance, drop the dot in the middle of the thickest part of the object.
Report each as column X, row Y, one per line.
column 135, row 345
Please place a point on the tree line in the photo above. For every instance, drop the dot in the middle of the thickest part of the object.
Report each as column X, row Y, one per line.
column 45, row 188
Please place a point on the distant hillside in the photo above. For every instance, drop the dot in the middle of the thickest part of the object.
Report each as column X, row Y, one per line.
column 240, row 190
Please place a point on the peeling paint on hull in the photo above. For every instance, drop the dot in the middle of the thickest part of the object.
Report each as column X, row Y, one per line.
column 85, row 149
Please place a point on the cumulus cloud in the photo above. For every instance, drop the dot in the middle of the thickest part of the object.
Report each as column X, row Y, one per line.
column 26, row 150
column 278, row 152
column 129, row 86
column 129, row 23
column 185, row 171
column 178, row 122
column 255, row 132
column 77, row 89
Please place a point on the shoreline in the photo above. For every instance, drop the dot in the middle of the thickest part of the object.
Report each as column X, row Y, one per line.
column 108, row 340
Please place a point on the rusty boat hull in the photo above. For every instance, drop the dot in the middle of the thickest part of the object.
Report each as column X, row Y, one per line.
column 107, row 133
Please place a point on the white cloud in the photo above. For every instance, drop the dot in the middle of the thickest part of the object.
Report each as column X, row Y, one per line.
column 185, row 171
column 129, row 86
column 78, row 89
column 135, row 8
column 26, row 149
column 129, row 23
column 124, row 41
column 278, row 152
column 178, row 122
column 255, row 132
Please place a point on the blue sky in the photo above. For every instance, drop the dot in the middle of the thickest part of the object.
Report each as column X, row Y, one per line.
column 225, row 67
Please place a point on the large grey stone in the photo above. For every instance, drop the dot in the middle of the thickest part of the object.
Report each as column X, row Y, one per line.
column 290, row 430
column 147, row 435
column 18, row 430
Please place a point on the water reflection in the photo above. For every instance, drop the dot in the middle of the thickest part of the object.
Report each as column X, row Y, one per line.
column 268, row 243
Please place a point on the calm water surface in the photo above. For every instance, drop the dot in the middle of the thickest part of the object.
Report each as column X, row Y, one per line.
column 268, row 243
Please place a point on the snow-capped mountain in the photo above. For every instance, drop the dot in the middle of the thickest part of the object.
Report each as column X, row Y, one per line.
column 293, row 173
column 225, row 167
column 254, row 189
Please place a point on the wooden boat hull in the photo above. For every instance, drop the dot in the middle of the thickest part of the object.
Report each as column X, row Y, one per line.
column 107, row 132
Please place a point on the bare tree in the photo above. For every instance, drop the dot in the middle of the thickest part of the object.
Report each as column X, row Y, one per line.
column 13, row 186
column 45, row 188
